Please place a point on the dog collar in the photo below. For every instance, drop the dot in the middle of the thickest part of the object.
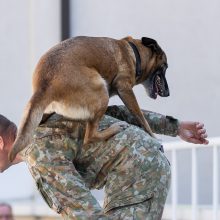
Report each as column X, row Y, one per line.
column 138, row 59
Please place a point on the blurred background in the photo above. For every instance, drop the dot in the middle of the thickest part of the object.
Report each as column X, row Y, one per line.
column 188, row 31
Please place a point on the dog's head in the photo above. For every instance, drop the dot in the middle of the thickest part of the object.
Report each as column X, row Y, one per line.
column 154, row 80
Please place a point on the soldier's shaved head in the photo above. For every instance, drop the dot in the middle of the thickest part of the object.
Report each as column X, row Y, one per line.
column 7, row 129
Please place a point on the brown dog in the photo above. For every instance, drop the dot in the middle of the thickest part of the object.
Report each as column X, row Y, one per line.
column 77, row 77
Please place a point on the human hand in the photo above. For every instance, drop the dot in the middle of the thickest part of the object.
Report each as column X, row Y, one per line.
column 193, row 132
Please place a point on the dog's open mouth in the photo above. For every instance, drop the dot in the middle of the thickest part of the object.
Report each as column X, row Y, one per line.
column 158, row 86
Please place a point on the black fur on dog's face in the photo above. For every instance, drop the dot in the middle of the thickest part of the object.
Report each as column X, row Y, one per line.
column 156, row 84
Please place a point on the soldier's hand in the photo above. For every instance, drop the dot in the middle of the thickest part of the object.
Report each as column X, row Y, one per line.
column 193, row 132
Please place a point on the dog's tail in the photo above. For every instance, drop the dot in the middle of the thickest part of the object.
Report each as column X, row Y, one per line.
column 31, row 118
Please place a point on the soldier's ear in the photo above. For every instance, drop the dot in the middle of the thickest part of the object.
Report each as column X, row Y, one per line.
column 1, row 143
column 151, row 43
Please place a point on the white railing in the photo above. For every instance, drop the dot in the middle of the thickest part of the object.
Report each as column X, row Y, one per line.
column 173, row 148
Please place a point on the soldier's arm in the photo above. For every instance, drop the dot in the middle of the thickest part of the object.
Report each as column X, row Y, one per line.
column 159, row 124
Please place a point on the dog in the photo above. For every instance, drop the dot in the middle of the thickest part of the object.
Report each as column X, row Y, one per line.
column 76, row 78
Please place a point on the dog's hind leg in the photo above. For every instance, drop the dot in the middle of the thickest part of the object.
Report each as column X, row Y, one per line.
column 31, row 118
column 99, row 107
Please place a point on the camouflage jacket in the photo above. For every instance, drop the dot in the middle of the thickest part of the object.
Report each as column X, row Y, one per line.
column 61, row 165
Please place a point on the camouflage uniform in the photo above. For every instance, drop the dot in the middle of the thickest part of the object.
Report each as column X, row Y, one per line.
column 130, row 165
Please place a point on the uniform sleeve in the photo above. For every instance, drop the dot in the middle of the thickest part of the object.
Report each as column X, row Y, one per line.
column 159, row 124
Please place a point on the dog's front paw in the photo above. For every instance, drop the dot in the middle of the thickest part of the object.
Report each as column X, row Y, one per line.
column 120, row 126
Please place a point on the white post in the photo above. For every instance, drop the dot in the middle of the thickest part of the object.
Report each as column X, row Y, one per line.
column 174, row 185
column 194, row 184
column 215, row 183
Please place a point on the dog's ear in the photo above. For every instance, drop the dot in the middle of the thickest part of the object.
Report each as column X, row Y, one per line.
column 151, row 43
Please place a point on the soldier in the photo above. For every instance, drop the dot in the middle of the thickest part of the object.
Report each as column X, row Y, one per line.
column 131, row 166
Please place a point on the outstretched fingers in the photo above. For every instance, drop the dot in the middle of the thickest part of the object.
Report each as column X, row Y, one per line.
column 201, row 132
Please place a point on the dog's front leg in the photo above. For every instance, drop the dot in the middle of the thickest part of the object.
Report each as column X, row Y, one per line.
column 127, row 96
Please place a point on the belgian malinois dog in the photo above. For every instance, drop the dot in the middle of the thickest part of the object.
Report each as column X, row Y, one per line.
column 76, row 78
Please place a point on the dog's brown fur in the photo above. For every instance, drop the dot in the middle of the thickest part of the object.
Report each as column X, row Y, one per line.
column 76, row 79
